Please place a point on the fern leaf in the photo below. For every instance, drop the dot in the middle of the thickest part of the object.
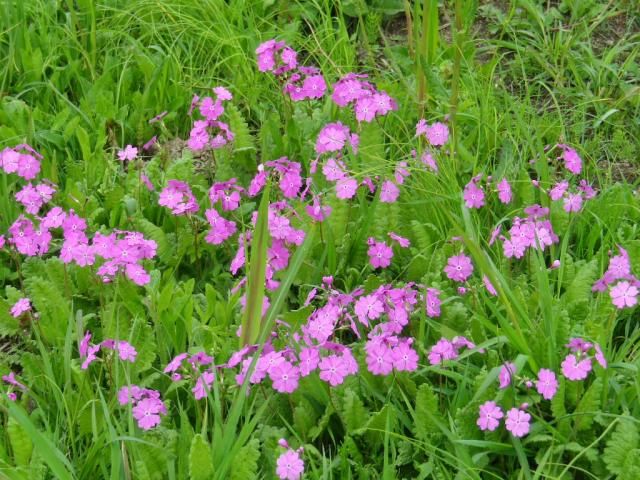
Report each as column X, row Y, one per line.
column 588, row 406
column 621, row 455
column 21, row 444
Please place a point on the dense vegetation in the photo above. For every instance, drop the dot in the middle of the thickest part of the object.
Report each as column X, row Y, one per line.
column 317, row 239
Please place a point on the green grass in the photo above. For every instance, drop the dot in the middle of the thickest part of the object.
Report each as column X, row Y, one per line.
column 79, row 80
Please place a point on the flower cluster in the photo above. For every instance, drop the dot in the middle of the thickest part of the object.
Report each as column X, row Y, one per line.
column 367, row 101
column 21, row 160
column 33, row 198
column 89, row 351
column 23, row 305
column 123, row 251
column 624, row 285
column 474, row 196
column 188, row 366
column 577, row 365
column 177, row 196
column 533, row 231
column 572, row 201
column 449, row 349
column 146, row 403
column 210, row 132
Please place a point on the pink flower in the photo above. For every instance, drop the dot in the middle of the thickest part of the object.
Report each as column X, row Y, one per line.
column 459, row 268
column 599, row 356
column 21, row 306
column 129, row 153
column 285, row 377
column 558, row 190
column 489, row 417
column 547, row 384
column 573, row 202
column 333, row 170
column 489, row 286
column 507, row 370
column 309, row 359
column 333, row 370
column 473, row 195
column 572, row 160
column 147, row 412
column 403, row 242
column 290, row 466
column 436, row 134
column 443, row 350
column 389, row 192
column 517, row 422
column 380, row 254
column 504, row 191
column 573, row 369
column 379, row 358
column 433, row 302
column 346, row 188
column 332, row 138
column 623, row 294
column 405, row 358
column 368, row 307
column 427, row 159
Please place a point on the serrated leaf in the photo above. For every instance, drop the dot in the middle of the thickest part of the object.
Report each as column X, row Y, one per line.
column 246, row 461
column 200, row 464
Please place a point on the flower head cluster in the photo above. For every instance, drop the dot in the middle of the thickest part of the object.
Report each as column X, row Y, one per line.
column 533, row 231
column 34, row 197
column 305, row 83
column 448, row 349
column 14, row 386
column 88, row 351
column 177, row 196
column 474, row 194
column 210, row 132
column 147, row 405
column 517, row 420
column 123, row 251
column 577, row 364
column 197, row 366
column 572, row 200
column 624, row 285
column 128, row 153
column 22, row 160
column 276, row 57
column 368, row 102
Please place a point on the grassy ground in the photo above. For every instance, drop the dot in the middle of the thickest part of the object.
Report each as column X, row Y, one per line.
column 80, row 79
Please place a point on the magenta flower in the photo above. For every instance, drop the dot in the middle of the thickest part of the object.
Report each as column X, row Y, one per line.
column 309, row 359
column 574, row 369
column 368, row 307
column 21, row 306
column 443, row 350
column 285, row 377
column 489, row 417
column 572, row 160
column 558, row 190
column 623, row 294
column 572, row 202
column 333, row 170
column 332, row 138
column 333, row 370
column 473, row 195
column 389, row 192
column 547, row 384
column 504, row 191
column 517, row 422
column 507, row 370
column 346, row 188
column 436, row 134
column 379, row 358
column 128, row 153
column 147, row 412
column 380, row 254
column 290, row 466
column 405, row 358
column 459, row 268
column 433, row 302
column 599, row 356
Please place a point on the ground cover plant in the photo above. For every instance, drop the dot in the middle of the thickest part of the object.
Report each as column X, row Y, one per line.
column 270, row 239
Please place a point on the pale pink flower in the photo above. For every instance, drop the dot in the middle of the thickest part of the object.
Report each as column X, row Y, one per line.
column 459, row 268
column 547, row 383
column 290, row 466
column 128, row 153
column 574, row 369
column 506, row 372
column 517, row 422
column 489, row 417
column 623, row 294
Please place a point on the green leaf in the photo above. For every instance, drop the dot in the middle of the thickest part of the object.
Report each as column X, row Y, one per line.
column 255, row 280
column 246, row 461
column 621, row 455
column 588, row 406
column 200, row 465
column 21, row 444
column 425, row 410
